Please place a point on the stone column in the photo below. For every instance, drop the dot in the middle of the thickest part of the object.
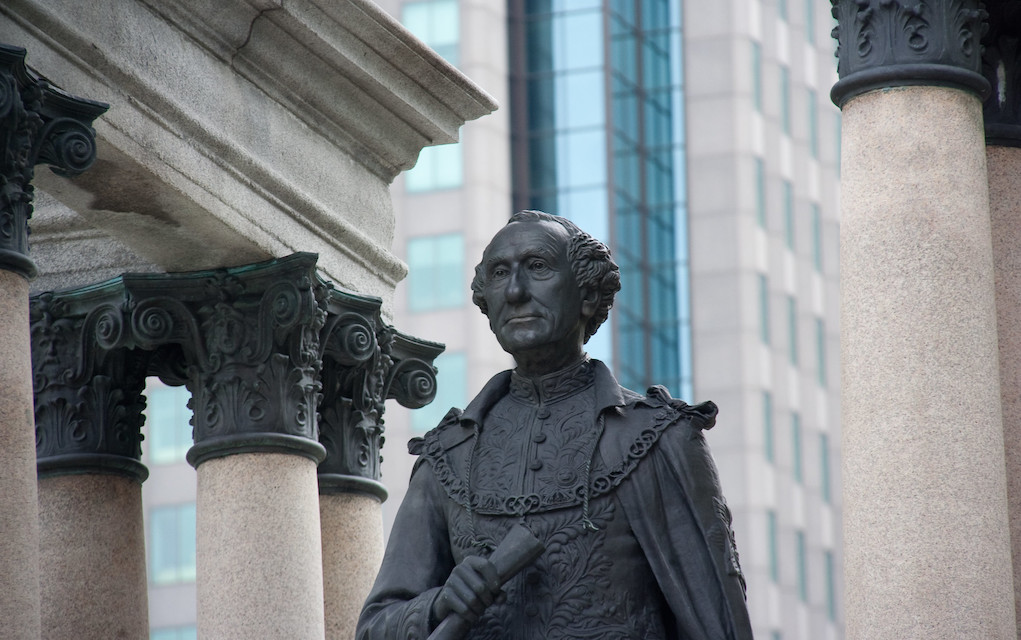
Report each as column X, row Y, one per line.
column 88, row 409
column 1002, row 111
column 927, row 549
column 249, row 343
column 364, row 363
column 37, row 125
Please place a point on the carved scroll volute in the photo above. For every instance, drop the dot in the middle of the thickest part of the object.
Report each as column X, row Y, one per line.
column 250, row 340
column 38, row 124
column 88, row 389
column 356, row 359
column 889, row 43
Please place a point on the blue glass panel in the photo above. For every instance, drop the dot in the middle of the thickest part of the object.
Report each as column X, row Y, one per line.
column 583, row 161
column 580, row 100
column 576, row 5
column 764, row 308
column 578, row 40
column 169, row 426
column 172, row 544
column 655, row 14
column 436, row 23
column 539, row 50
column 436, row 277
column 587, row 208
column 438, row 167
column 767, row 426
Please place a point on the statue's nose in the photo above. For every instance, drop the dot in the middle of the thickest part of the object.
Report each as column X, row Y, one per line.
column 517, row 288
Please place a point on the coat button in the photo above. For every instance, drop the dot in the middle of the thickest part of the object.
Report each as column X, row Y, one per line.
column 543, row 413
column 535, row 465
column 539, row 438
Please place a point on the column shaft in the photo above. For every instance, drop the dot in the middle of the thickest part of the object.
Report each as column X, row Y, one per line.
column 19, row 515
column 927, row 549
column 259, row 553
column 1005, row 212
column 352, row 554
column 93, row 558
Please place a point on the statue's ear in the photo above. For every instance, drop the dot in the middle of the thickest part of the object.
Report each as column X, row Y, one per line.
column 589, row 302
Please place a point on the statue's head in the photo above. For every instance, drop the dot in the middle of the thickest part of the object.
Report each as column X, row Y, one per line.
column 544, row 283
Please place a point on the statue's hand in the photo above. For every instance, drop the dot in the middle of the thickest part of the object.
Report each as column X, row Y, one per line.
column 473, row 585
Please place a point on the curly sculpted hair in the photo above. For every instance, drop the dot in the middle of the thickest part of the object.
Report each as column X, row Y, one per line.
column 591, row 264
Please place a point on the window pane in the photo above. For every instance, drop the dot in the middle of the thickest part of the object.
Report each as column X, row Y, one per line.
column 436, row 277
column 767, row 424
column 763, row 308
column 435, row 23
column 438, row 167
column 169, row 427
column 172, row 544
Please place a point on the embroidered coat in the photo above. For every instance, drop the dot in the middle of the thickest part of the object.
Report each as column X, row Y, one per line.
column 638, row 534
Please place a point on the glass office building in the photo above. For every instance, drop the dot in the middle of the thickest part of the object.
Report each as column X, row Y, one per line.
column 598, row 136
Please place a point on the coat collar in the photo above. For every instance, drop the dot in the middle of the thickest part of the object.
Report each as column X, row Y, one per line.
column 608, row 394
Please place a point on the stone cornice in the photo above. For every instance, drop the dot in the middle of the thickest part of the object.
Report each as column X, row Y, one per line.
column 892, row 43
column 352, row 72
column 39, row 124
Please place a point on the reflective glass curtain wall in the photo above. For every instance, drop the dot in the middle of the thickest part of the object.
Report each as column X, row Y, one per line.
column 599, row 138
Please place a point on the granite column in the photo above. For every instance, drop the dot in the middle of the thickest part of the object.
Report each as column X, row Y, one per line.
column 927, row 550
column 364, row 363
column 38, row 124
column 88, row 413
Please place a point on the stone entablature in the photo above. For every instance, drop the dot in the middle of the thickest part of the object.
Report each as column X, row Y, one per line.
column 247, row 129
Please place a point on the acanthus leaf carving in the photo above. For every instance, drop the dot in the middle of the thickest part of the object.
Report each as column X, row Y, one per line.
column 885, row 43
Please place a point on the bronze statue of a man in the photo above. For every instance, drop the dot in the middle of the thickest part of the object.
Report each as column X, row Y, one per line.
column 619, row 487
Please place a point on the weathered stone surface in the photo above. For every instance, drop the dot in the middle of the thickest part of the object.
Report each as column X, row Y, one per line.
column 927, row 548
column 246, row 130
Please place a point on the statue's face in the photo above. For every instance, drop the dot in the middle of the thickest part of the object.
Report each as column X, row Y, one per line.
column 533, row 298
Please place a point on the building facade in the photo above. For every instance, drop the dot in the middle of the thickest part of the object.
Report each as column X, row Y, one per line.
column 698, row 140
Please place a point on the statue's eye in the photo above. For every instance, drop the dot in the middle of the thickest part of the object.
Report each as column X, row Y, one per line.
column 538, row 266
column 499, row 272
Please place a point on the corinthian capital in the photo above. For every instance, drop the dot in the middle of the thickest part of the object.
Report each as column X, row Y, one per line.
column 39, row 124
